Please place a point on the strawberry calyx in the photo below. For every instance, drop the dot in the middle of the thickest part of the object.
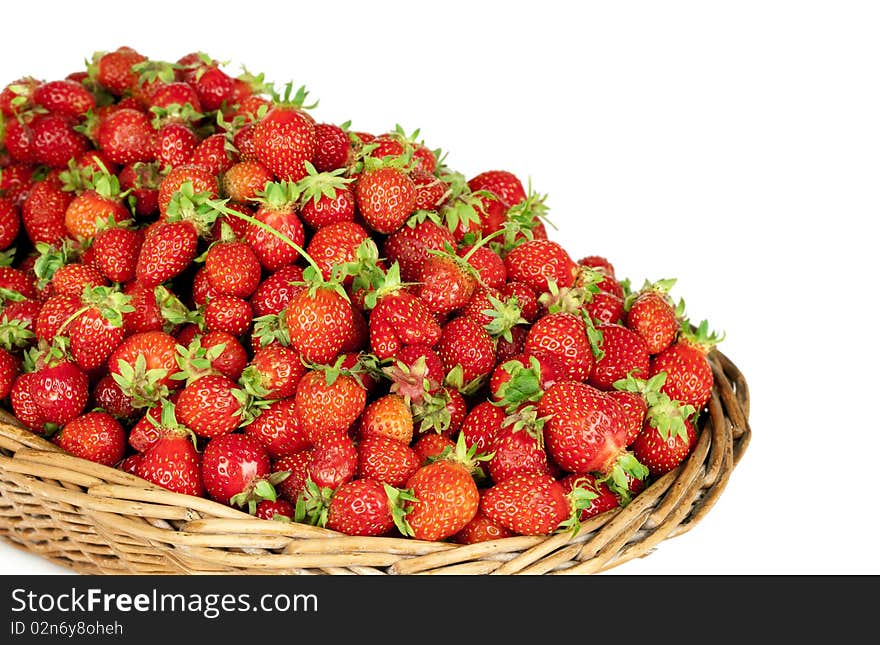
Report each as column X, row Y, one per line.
column 400, row 502
column 143, row 386
column 581, row 498
column 110, row 302
column 521, row 221
column 466, row 456
column 258, row 490
column 317, row 185
column 669, row 417
column 173, row 311
column 455, row 379
column 196, row 361
column 313, row 504
column 505, row 315
column 526, row 419
column 290, row 99
column 271, row 328
column 200, row 209
column 185, row 114
column 410, row 381
column 50, row 258
column 523, row 386
column 617, row 477
column 431, row 412
column 700, row 336
column 15, row 334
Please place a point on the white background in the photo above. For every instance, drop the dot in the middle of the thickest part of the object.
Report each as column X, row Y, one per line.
column 732, row 145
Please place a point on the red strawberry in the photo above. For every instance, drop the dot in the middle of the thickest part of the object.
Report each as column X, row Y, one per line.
column 386, row 459
column 42, row 212
column 431, row 445
column 481, row 529
column 362, row 507
column 274, row 371
column 10, row 222
column 604, row 500
column 527, row 503
column 113, row 70
column 211, row 406
column 211, row 153
column 562, row 337
column 276, row 212
column 295, row 466
column 244, row 180
column 279, row 509
column 108, row 396
column 126, row 136
column 501, row 182
column 60, row 389
column 334, row 460
column 522, row 379
column 445, row 282
column 24, row 405
column 236, row 470
column 284, row 140
column 335, row 244
column 319, row 322
column 74, row 278
column 54, row 313
column 468, row 349
column 144, row 365
column 10, row 368
column 55, row 142
column 172, row 462
column 98, row 330
column 623, row 352
column 276, row 290
column 446, row 499
column 538, row 262
column 586, row 432
column 411, row 245
column 652, row 315
column 277, row 428
column 518, row 446
column 96, row 436
column 328, row 402
column 689, row 377
column 199, row 179
column 668, row 435
column 228, row 314
column 116, row 252
column 389, row 415
column 174, row 144
column 385, row 198
column 142, row 180
column 332, row 147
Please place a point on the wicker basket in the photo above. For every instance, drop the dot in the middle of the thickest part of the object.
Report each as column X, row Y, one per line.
column 99, row 520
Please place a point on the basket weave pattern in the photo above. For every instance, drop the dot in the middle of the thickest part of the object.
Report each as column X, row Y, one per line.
column 99, row 520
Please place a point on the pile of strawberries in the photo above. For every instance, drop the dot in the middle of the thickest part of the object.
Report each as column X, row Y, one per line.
column 207, row 287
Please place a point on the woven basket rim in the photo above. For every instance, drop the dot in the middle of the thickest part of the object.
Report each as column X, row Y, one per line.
column 99, row 519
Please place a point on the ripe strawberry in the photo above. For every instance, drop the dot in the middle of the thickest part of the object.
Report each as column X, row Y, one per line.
column 96, row 436
column 10, row 368
column 411, row 245
column 108, row 396
column 10, row 222
column 175, row 94
column 295, row 466
column 126, row 136
column 389, row 415
column 144, row 365
column 276, row 212
column 18, row 281
column 212, row 406
column 527, row 503
column 328, row 401
column 623, row 352
column 446, row 499
column 200, row 179
column 521, row 379
column 466, row 348
column 563, row 338
column 276, row 290
column 332, row 147
column 74, row 278
column 284, row 139
column 24, row 406
column 54, row 313
column 481, row 426
column 277, row 428
column 586, row 432
column 42, row 212
column 60, row 389
column 244, row 180
column 518, row 447
column 228, row 314
column 141, row 180
column 481, row 529
column 319, row 322
column 174, row 144
column 211, row 153
column 537, row 262
column 502, row 183
column 604, row 500
column 431, row 445
column 689, row 377
column 236, row 470
column 97, row 331
column 362, row 507
column 116, row 252
column 335, row 244
column 385, row 198
column 334, row 460
column 113, row 70
column 652, row 315
column 273, row 372
column 385, row 459
column 445, row 282
column 280, row 509
column 167, row 250
column 668, row 436
column 55, row 142
column 173, row 462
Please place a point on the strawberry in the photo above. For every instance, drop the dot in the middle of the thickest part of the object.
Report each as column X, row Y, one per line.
column 364, row 507
column 97, row 331
column 10, row 368
column 527, row 503
column 481, row 529
column 385, row 459
column 651, row 314
column 142, row 180
column 60, row 389
column 24, row 405
column 280, row 510
column 411, row 245
column 174, row 144
column 277, row 225
column 332, row 147
column 319, row 319
column 389, row 415
column 108, row 396
column 502, row 183
column 328, row 400
column 95, row 435
column 74, row 278
column 334, row 460
column 335, row 244
column 276, row 290
column 431, row 445
column 175, row 94
column 538, row 262
column 126, row 136
column 521, row 379
column 445, row 282
column 295, row 467
column 228, row 314
column 518, row 446
column 562, row 337
column 236, row 470
column 196, row 179
column 623, row 352
column 668, row 435
column 144, row 365
column 211, row 153
column 172, row 461
column 116, row 252
column 604, row 500
column 689, row 377
column 54, row 313
column 167, row 250
column 244, row 180
column 446, row 499
column 586, row 432
column 43, row 210
column 55, row 141
column 385, row 198
column 212, row 406
column 284, row 139
column 10, row 222
column 277, row 428
column 113, row 70
column 416, row 371
column 482, row 425
column 466, row 349
column 273, row 372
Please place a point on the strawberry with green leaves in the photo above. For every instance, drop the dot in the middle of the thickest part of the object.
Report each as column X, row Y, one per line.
column 59, row 388
column 385, row 459
column 97, row 329
column 144, row 365
column 284, row 138
column 563, row 338
column 366, row 507
column 468, row 353
column 651, row 313
column 236, row 470
column 277, row 221
column 689, row 376
column 277, row 428
column 623, row 352
column 385, row 196
column 328, row 399
column 172, row 460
